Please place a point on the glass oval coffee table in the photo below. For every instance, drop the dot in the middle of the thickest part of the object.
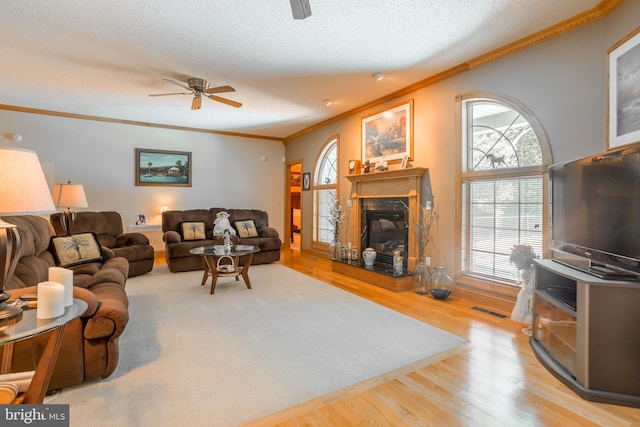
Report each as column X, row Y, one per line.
column 211, row 256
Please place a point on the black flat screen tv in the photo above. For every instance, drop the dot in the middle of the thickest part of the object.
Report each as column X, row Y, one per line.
column 596, row 211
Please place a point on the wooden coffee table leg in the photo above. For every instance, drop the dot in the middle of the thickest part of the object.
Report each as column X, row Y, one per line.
column 245, row 270
column 205, row 276
column 211, row 261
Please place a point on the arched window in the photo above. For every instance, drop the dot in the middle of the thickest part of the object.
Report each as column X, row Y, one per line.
column 504, row 185
column 325, row 187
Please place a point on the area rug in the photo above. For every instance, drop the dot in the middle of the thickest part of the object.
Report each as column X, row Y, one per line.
column 191, row 358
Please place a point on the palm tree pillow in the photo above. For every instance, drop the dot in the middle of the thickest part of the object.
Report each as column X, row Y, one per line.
column 190, row 230
column 246, row 228
column 76, row 249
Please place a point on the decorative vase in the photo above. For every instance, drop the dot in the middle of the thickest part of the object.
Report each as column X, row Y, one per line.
column 369, row 256
column 419, row 277
column 440, row 284
column 335, row 250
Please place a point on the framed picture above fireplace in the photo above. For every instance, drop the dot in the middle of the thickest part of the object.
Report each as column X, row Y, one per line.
column 388, row 135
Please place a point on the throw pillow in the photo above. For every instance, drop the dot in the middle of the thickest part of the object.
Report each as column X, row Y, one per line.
column 246, row 228
column 76, row 249
column 192, row 230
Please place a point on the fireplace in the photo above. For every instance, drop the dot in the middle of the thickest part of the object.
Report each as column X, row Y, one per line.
column 384, row 205
column 384, row 226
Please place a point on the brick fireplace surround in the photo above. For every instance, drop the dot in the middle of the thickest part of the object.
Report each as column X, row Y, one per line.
column 399, row 183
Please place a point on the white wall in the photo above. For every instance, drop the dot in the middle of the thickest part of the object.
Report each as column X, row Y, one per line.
column 227, row 171
column 562, row 81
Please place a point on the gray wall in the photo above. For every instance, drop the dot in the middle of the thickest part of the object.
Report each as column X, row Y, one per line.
column 562, row 81
column 227, row 171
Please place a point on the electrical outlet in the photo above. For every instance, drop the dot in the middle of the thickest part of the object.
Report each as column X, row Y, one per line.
column 427, row 261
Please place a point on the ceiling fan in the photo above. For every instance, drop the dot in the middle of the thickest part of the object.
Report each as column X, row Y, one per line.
column 199, row 88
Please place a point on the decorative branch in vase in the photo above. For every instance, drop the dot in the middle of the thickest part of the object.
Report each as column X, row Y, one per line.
column 421, row 229
column 336, row 215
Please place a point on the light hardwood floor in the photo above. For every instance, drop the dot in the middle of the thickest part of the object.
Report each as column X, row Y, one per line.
column 493, row 380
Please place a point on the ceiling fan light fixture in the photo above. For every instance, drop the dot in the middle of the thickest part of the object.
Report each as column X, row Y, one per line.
column 327, row 102
column 378, row 76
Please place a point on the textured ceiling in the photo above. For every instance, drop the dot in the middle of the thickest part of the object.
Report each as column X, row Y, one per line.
column 102, row 58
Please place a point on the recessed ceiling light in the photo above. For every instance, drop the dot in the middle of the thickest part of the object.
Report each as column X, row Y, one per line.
column 327, row 101
column 377, row 76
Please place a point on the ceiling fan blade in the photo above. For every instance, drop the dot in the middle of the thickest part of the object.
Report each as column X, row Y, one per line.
column 225, row 101
column 220, row 89
column 301, row 9
column 175, row 93
column 197, row 103
column 177, row 83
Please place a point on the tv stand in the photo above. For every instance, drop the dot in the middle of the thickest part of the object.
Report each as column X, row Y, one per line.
column 585, row 332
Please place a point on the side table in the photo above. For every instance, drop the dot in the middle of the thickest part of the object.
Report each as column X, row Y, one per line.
column 29, row 326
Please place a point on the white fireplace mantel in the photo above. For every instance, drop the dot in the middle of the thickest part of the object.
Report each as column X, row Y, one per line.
column 389, row 184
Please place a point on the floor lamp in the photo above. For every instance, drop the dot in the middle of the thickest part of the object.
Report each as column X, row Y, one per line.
column 23, row 190
column 70, row 196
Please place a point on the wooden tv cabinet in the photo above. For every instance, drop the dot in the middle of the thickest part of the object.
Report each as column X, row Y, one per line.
column 585, row 331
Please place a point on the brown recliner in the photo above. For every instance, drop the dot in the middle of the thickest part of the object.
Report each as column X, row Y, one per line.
column 107, row 226
column 90, row 348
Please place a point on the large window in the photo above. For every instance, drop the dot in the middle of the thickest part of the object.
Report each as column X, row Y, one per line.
column 325, row 187
column 503, row 185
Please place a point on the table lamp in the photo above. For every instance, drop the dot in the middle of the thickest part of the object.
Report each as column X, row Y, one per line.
column 23, row 190
column 70, row 196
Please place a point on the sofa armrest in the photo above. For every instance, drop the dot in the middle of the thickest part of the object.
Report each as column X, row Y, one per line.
column 112, row 315
column 171, row 237
column 131, row 239
column 269, row 232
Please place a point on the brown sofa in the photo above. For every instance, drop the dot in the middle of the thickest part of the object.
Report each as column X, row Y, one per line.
column 89, row 347
column 177, row 249
column 134, row 247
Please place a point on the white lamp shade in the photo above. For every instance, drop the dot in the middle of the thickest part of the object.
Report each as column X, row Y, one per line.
column 23, row 187
column 69, row 196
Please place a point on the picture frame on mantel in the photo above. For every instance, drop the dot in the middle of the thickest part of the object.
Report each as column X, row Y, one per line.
column 623, row 106
column 388, row 134
column 163, row 168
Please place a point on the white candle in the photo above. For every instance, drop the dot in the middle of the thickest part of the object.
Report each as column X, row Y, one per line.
column 63, row 276
column 50, row 300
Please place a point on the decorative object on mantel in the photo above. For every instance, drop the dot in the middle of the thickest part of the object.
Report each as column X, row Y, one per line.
column 367, row 166
column 440, row 284
column 354, row 167
column 522, row 257
column 335, row 219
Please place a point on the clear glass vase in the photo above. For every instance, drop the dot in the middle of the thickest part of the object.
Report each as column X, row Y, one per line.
column 335, row 250
column 440, row 284
column 419, row 277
